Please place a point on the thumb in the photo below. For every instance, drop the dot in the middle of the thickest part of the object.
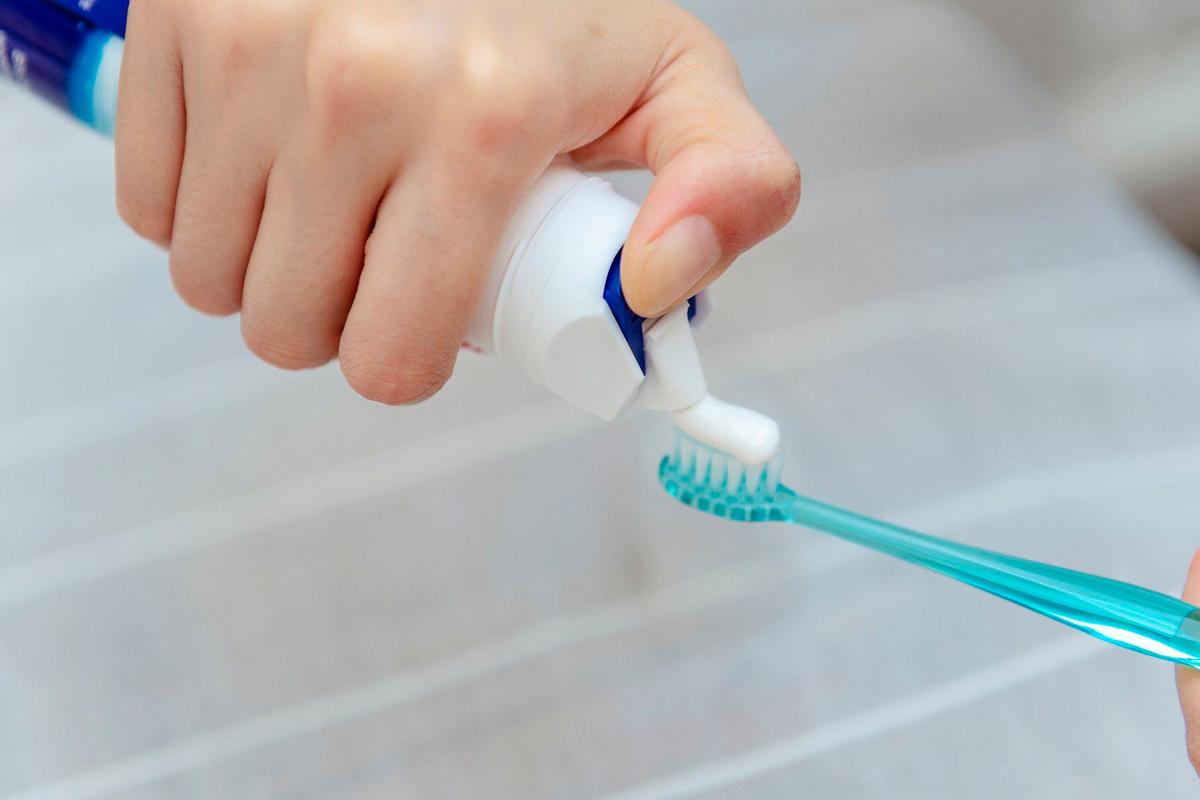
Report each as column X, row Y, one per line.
column 723, row 180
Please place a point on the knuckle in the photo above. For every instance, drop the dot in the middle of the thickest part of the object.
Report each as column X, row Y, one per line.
column 504, row 104
column 358, row 70
column 282, row 346
column 239, row 48
column 696, row 43
column 233, row 41
column 395, row 385
column 693, row 33
column 202, row 296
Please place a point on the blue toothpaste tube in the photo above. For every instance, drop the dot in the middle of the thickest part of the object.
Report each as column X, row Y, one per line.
column 37, row 70
column 63, row 57
column 107, row 15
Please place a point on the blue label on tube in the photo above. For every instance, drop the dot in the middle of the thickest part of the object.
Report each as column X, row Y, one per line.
column 44, row 27
column 60, row 57
column 107, row 15
column 35, row 69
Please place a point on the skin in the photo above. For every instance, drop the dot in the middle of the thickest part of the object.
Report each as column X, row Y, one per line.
column 340, row 171
column 1188, row 680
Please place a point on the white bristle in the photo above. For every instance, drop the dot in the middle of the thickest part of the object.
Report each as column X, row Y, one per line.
column 719, row 475
column 704, row 458
column 736, row 473
column 771, row 475
column 686, row 456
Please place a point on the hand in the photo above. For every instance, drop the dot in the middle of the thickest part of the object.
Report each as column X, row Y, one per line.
column 340, row 171
column 1188, row 680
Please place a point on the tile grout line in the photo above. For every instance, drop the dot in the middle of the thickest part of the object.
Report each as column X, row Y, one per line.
column 897, row 714
column 863, row 325
column 1012, row 298
column 410, row 685
column 504, row 434
column 990, row 501
column 515, row 431
column 127, row 411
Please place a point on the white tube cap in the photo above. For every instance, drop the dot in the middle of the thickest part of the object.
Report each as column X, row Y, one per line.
column 549, row 318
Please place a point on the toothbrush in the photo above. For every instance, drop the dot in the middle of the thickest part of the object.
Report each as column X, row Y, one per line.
column 1119, row 613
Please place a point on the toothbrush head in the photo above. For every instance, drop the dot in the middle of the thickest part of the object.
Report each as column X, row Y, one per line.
column 726, row 461
column 717, row 483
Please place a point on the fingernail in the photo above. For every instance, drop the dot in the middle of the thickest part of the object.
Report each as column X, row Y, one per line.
column 676, row 261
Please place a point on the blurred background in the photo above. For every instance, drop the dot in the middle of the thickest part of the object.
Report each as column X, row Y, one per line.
column 221, row 580
column 1122, row 79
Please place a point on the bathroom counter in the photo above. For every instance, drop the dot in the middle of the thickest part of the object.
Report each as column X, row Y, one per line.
column 221, row 580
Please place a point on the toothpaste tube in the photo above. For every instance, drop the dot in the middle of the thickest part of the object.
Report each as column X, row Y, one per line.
column 62, row 57
column 107, row 15
column 553, row 308
column 35, row 69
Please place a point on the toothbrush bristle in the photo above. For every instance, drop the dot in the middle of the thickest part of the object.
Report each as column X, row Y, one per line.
column 717, row 483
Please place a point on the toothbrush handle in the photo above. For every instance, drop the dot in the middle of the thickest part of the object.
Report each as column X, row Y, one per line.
column 1119, row 613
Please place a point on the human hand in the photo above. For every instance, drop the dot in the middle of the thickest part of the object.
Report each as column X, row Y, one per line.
column 341, row 171
column 1187, row 679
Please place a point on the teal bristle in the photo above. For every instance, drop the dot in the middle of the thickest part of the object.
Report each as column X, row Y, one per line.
column 716, row 483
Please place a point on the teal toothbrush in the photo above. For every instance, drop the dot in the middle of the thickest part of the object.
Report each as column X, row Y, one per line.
column 1119, row 613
